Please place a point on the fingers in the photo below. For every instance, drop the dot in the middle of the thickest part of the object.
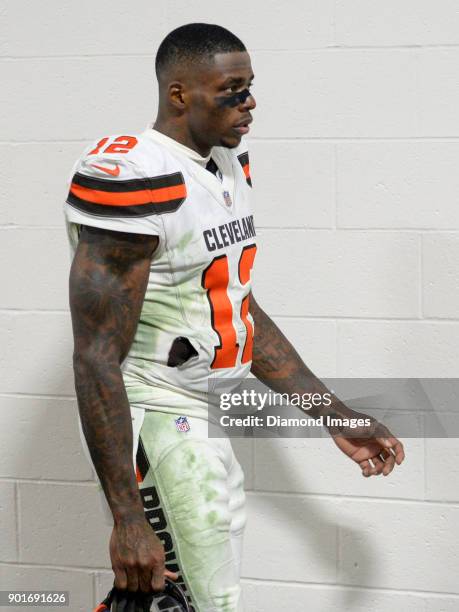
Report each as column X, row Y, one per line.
column 399, row 451
column 157, row 578
column 142, row 578
column 368, row 468
column 120, row 578
column 365, row 467
column 379, row 465
column 138, row 558
column 145, row 578
column 382, row 464
column 372, row 467
column 132, row 579
column 389, row 462
column 391, row 443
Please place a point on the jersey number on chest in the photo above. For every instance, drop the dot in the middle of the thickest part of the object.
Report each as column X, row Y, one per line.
column 215, row 280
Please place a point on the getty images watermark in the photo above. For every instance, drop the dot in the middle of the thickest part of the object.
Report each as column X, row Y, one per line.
column 409, row 407
column 249, row 398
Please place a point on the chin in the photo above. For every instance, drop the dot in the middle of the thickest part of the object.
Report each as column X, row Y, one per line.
column 230, row 142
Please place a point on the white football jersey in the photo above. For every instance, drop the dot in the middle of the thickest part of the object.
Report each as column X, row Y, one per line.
column 200, row 275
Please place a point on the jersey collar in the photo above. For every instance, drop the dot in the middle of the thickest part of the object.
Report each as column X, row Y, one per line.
column 198, row 169
column 170, row 143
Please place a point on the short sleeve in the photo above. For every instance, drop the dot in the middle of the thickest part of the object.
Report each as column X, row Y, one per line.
column 114, row 192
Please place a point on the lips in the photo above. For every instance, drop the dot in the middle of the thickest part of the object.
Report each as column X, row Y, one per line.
column 243, row 126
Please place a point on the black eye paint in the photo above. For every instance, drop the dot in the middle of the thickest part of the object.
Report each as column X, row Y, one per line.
column 238, row 98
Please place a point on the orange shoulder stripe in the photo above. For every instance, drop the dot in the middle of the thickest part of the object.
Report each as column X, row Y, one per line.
column 129, row 198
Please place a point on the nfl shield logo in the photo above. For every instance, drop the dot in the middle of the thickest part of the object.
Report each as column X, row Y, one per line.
column 227, row 198
column 182, row 424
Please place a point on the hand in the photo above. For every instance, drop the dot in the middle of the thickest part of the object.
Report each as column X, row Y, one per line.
column 374, row 448
column 138, row 557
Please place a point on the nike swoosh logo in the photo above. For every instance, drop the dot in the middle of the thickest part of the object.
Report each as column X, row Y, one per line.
column 112, row 171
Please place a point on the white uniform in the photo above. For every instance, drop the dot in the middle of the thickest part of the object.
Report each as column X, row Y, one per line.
column 200, row 273
column 198, row 288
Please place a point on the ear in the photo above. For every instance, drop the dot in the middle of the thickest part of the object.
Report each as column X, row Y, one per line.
column 177, row 95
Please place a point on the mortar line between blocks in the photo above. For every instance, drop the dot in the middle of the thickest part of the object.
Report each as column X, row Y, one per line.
column 36, row 396
column 254, row 463
column 67, row 568
column 18, row 520
column 54, row 482
column 94, row 589
column 421, row 276
column 337, row 346
column 335, row 186
column 337, row 48
column 353, row 498
column 338, row 553
column 349, row 587
column 333, row 24
column 304, row 138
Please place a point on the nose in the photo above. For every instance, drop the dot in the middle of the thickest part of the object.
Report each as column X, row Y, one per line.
column 250, row 102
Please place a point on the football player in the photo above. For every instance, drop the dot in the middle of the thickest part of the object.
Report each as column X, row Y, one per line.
column 164, row 242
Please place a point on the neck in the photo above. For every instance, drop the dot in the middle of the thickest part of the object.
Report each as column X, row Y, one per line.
column 181, row 134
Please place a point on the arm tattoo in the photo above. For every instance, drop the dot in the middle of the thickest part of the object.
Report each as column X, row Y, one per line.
column 274, row 358
column 277, row 364
column 108, row 280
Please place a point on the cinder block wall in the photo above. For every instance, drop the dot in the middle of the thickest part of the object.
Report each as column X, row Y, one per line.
column 354, row 160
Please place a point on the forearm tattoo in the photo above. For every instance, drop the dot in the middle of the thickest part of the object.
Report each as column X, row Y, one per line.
column 108, row 279
column 274, row 358
column 276, row 363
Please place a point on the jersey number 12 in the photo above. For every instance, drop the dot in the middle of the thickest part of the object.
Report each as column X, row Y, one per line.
column 215, row 280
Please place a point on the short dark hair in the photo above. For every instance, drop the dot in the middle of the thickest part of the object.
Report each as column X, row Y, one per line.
column 195, row 42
